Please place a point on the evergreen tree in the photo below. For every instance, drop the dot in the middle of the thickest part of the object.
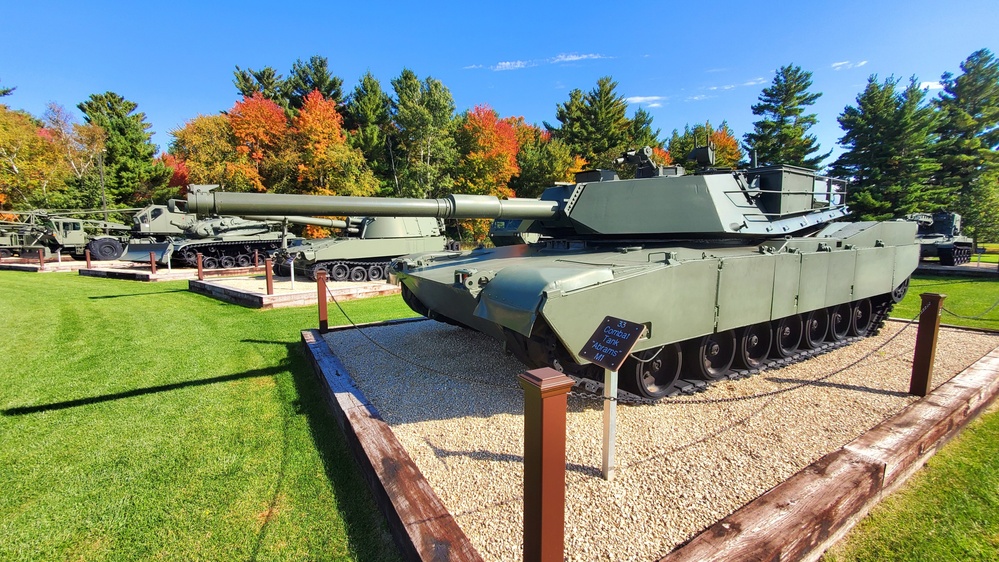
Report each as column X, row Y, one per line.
column 640, row 132
column 727, row 152
column 969, row 135
column 424, row 150
column 266, row 81
column 129, row 169
column 313, row 75
column 594, row 125
column 781, row 136
column 367, row 119
column 888, row 137
column 6, row 91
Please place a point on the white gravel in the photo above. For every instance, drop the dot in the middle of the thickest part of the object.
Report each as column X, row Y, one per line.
column 683, row 463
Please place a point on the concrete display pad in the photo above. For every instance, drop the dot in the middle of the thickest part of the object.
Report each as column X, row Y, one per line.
column 139, row 271
column 466, row 430
column 52, row 265
column 251, row 291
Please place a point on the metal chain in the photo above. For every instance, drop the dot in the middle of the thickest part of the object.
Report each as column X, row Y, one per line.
column 956, row 315
column 407, row 360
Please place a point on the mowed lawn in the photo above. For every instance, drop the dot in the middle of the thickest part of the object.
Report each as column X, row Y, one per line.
column 142, row 421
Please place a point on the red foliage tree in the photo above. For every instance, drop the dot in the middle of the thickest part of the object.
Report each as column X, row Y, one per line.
column 259, row 126
column 488, row 147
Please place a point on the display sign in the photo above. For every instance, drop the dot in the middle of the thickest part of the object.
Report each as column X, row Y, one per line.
column 612, row 342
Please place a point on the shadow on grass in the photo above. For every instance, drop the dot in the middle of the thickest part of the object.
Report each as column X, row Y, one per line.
column 367, row 530
column 269, row 371
column 99, row 297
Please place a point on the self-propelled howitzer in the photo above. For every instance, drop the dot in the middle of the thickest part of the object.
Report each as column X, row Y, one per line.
column 723, row 268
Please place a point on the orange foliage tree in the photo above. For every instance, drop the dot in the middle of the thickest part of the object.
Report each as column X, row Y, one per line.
column 488, row 147
column 260, row 129
column 327, row 164
column 728, row 152
column 207, row 147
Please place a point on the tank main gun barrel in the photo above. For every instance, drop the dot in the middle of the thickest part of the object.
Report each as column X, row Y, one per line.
column 452, row 206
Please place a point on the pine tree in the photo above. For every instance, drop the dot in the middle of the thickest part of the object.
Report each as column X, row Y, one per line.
column 367, row 119
column 888, row 137
column 129, row 169
column 781, row 136
column 640, row 132
column 6, row 91
column 313, row 75
column 969, row 135
column 424, row 148
column 594, row 125
column 266, row 81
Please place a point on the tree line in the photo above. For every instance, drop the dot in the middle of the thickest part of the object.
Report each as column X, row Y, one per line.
column 304, row 134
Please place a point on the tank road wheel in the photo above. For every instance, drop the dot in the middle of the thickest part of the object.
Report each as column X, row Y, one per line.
column 816, row 326
column 4, row 253
column 651, row 373
column 861, row 314
column 452, row 246
column 227, row 262
column 281, row 269
column 711, row 356
column 754, row 345
column 243, row 260
column 358, row 273
column 105, row 249
column 209, row 262
column 314, row 271
column 899, row 293
column 840, row 318
column 339, row 272
column 787, row 336
column 376, row 272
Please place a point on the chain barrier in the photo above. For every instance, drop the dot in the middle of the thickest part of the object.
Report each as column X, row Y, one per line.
column 409, row 361
column 956, row 315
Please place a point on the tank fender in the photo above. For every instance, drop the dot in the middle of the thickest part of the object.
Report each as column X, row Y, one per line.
column 514, row 296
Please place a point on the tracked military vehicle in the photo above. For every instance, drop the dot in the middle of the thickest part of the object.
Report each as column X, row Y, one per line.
column 939, row 236
column 724, row 268
column 366, row 250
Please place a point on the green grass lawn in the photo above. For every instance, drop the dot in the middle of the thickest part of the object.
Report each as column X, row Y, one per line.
column 142, row 421
column 950, row 509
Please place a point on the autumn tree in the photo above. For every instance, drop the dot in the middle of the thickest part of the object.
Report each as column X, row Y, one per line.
column 423, row 147
column 260, row 128
column 727, row 151
column 31, row 168
column 488, row 149
column 968, row 128
column 368, row 120
column 129, row 169
column 781, row 136
column 542, row 161
column 329, row 166
column 206, row 145
column 81, row 146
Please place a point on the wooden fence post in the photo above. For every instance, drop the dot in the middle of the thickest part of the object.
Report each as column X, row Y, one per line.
column 201, row 268
column 41, row 260
column 324, row 323
column 926, row 343
column 87, row 253
column 269, row 274
column 545, row 401
column 152, row 263
column 256, row 259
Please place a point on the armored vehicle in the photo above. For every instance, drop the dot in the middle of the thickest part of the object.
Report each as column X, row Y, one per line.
column 723, row 267
column 367, row 249
column 51, row 233
column 939, row 236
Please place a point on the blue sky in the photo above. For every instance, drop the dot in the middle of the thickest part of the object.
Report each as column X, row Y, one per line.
column 684, row 62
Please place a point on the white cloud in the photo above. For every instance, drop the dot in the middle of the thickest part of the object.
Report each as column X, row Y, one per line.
column 572, row 57
column 847, row 65
column 930, row 85
column 698, row 97
column 512, row 65
column 755, row 82
column 655, row 104
column 644, row 99
column 471, row 67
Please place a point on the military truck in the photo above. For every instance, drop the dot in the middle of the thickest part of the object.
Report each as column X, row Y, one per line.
column 939, row 236
column 69, row 235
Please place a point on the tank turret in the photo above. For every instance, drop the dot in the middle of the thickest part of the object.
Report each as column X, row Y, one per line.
column 724, row 268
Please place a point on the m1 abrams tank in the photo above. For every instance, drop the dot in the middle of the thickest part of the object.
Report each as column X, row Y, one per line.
column 939, row 236
column 722, row 267
column 364, row 253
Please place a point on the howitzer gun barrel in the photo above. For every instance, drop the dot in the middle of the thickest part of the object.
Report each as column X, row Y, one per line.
column 328, row 223
column 452, row 206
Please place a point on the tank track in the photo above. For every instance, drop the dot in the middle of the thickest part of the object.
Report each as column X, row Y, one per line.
column 220, row 250
column 954, row 256
column 593, row 389
column 345, row 270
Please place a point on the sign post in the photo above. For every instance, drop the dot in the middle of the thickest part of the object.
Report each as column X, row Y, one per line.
column 608, row 347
